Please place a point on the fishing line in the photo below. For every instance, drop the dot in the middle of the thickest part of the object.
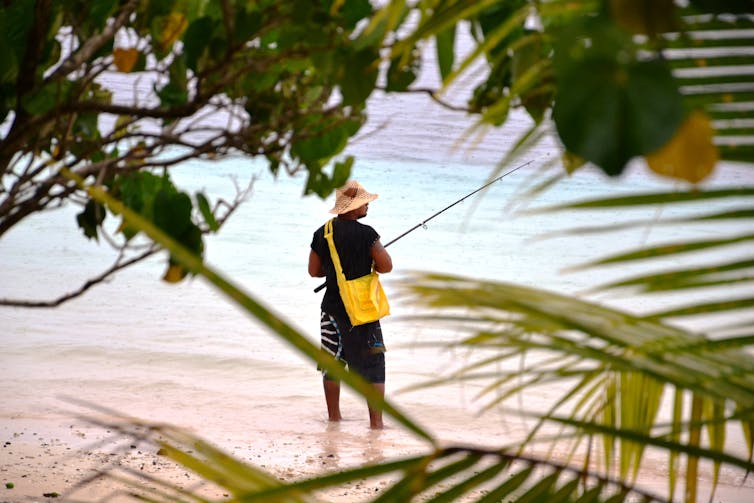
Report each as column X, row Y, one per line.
column 423, row 223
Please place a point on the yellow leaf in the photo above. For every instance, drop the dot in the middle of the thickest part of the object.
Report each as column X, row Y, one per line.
column 125, row 59
column 648, row 17
column 121, row 125
column 172, row 28
column 136, row 155
column 174, row 274
column 572, row 162
column 690, row 155
column 335, row 7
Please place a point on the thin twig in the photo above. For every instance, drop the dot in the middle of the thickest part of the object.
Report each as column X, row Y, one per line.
column 86, row 286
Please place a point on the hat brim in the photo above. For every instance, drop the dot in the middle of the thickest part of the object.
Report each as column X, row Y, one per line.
column 354, row 203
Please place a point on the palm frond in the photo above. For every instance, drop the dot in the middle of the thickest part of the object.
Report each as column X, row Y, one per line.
column 693, row 277
column 664, row 198
column 615, row 368
column 442, row 475
column 710, row 59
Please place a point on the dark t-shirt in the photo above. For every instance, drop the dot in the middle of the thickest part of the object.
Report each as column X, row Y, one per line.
column 354, row 241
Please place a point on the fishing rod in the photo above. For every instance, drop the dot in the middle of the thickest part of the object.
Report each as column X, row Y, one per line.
column 423, row 223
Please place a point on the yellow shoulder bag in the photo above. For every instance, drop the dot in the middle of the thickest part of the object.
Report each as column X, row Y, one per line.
column 364, row 298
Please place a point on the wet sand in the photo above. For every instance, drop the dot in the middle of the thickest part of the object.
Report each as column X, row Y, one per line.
column 71, row 459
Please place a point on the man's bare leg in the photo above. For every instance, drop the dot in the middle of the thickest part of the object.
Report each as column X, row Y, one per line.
column 375, row 415
column 332, row 398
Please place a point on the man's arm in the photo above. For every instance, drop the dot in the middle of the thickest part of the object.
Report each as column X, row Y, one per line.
column 315, row 265
column 382, row 261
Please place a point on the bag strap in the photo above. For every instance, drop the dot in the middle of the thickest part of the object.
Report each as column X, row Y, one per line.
column 333, row 252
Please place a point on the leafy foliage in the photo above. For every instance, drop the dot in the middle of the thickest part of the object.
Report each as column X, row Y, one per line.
column 619, row 367
column 443, row 474
column 287, row 79
column 618, row 78
column 289, row 83
column 669, row 84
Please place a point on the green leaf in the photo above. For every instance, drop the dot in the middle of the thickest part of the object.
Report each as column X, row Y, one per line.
column 359, row 76
column 90, row 218
column 342, row 171
column 652, row 198
column 196, row 40
column 384, row 21
column 747, row 429
column 531, row 75
column 541, row 491
column 496, row 45
column 317, row 182
column 705, row 308
column 213, row 464
column 175, row 92
column 321, row 184
column 612, row 104
column 452, row 468
column 16, row 19
column 591, row 495
column 248, row 24
column 456, row 492
column 206, row 211
column 683, row 278
column 172, row 212
column 166, row 29
column 494, row 89
column 86, row 125
column 354, row 11
column 638, row 344
column 648, row 18
column 324, row 144
column 99, row 11
column 172, row 94
column 445, row 41
column 43, row 100
column 742, row 215
column 400, row 75
column 689, row 448
column 505, row 489
column 714, row 412
column 137, row 192
column 609, row 113
column 566, row 491
column 668, row 249
column 192, row 239
column 724, row 6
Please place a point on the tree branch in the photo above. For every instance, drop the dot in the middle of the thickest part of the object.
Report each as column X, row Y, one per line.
column 93, row 44
column 117, row 266
column 432, row 93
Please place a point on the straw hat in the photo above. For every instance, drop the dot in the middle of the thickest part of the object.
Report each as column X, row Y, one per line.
column 351, row 196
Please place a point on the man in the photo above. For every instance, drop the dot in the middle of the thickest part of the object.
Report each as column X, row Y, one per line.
column 358, row 245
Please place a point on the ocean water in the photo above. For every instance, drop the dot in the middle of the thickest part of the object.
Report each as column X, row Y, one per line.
column 185, row 354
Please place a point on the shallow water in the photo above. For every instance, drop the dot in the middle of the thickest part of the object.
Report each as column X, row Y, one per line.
column 184, row 354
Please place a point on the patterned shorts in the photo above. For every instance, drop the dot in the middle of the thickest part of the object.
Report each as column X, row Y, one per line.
column 361, row 348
